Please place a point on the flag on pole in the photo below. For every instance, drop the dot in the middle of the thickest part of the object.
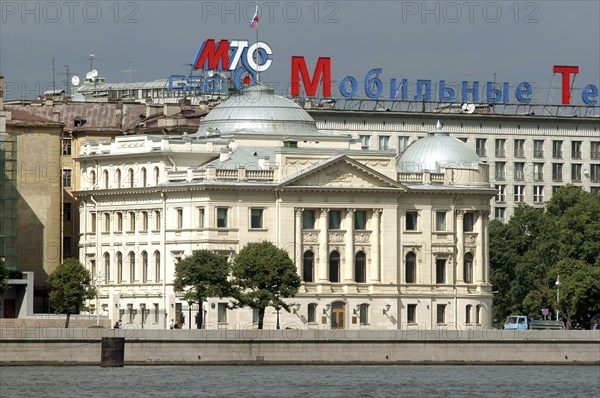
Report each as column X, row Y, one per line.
column 254, row 19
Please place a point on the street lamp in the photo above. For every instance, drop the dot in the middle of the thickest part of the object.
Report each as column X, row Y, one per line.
column 557, row 283
column 99, row 277
column 190, row 303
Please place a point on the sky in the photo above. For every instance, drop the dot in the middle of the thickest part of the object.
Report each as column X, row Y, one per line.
column 514, row 41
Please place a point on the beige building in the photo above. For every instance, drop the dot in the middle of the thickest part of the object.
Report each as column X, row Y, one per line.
column 381, row 241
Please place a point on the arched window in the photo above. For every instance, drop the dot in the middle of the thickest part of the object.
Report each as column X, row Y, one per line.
column 468, row 268
column 478, row 314
column 360, row 267
column 144, row 267
column 119, row 267
column 334, row 266
column 106, row 267
column 156, row 176
column 93, row 178
column 411, row 268
column 131, row 267
column 308, row 266
column 144, row 177
column 105, row 179
column 468, row 313
column 157, row 266
column 130, row 177
column 118, row 178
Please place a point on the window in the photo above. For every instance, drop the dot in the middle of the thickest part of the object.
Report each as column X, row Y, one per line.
column 411, row 268
column 157, row 273
column 468, row 268
column 334, row 267
column 384, row 142
column 557, row 149
column 222, row 312
column 106, row 222
column 156, row 315
column 411, row 313
column 557, row 171
column 402, row 144
column 538, row 193
column 411, row 220
column 144, row 221
column 538, row 171
column 118, row 178
column 335, row 219
column 308, row 219
column 119, row 222
column 131, row 267
column 440, row 270
column 105, row 179
column 480, row 146
column 576, row 149
column 595, row 172
column 555, row 188
column 312, row 313
column 519, row 171
column 441, row 313
column 106, row 267
column 156, row 176
column 222, row 217
column 67, row 248
column 66, row 178
column 478, row 314
column 519, row 193
column 363, row 314
column 500, row 148
column 308, row 266
column 131, row 221
column 360, row 267
column 499, row 213
column 93, row 223
column 500, row 193
column 468, row 221
column 119, row 260
column 500, row 174
column 202, row 217
column 519, row 148
column 255, row 315
column 179, row 218
column 66, row 146
column 144, row 257
column 595, row 190
column 468, row 313
column 465, row 140
column 360, row 220
column 144, row 177
column 364, row 141
column 538, row 148
column 576, row 172
column 67, row 211
column 130, row 178
column 156, row 219
column 595, row 150
column 440, row 220
column 256, row 218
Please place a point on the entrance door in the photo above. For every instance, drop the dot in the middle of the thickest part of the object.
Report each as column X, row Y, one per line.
column 338, row 311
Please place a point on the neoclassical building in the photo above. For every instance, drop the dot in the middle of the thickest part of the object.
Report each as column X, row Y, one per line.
column 380, row 241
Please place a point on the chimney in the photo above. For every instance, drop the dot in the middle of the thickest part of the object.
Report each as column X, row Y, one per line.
column 263, row 163
column 171, row 109
column 224, row 154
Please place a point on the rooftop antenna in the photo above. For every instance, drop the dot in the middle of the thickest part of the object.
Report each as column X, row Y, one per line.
column 130, row 71
column 53, row 81
column 92, row 61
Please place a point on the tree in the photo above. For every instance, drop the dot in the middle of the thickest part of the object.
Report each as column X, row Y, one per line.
column 3, row 276
column 70, row 286
column 202, row 275
column 264, row 275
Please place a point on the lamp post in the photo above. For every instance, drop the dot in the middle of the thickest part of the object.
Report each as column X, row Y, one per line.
column 99, row 277
column 190, row 314
column 557, row 283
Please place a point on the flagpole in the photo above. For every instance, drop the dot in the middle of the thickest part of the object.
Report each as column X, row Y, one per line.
column 256, row 54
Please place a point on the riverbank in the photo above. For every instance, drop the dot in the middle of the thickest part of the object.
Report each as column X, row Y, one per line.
column 82, row 346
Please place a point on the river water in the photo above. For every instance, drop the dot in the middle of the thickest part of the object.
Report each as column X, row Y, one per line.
column 300, row 381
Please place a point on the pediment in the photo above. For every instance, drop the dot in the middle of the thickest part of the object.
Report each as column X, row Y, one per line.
column 341, row 172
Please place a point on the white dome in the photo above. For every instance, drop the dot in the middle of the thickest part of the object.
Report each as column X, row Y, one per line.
column 436, row 151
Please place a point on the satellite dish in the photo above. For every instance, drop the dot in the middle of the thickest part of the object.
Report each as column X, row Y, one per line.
column 75, row 81
column 468, row 108
column 94, row 73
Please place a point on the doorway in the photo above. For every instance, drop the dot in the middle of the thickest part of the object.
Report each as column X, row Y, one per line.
column 338, row 318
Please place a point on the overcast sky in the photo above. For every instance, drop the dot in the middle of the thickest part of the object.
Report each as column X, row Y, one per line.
column 445, row 40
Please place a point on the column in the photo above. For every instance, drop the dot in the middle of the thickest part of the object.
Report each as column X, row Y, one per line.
column 323, row 246
column 479, row 269
column 460, row 246
column 349, row 247
column 375, row 273
column 484, row 238
column 298, row 241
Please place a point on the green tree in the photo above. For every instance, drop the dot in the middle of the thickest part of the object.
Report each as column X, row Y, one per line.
column 263, row 276
column 3, row 276
column 202, row 275
column 70, row 287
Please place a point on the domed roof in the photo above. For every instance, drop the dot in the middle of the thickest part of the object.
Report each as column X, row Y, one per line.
column 436, row 151
column 259, row 111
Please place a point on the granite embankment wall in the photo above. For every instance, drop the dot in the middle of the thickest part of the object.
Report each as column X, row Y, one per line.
column 59, row 346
